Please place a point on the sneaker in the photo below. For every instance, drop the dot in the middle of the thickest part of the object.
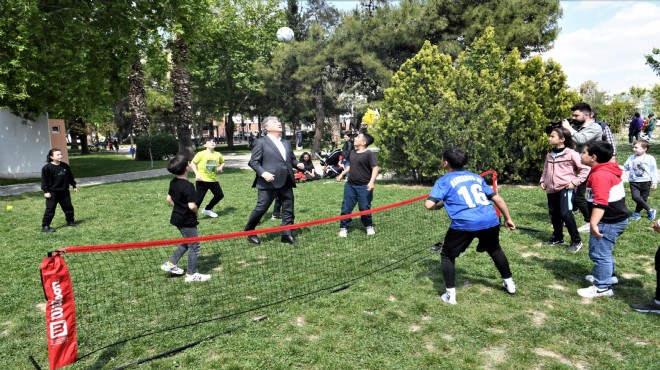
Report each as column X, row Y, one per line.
column 648, row 307
column 590, row 278
column 197, row 277
column 47, row 229
column 209, row 213
column 276, row 217
column 635, row 216
column 448, row 298
column 554, row 242
column 584, row 228
column 71, row 223
column 370, row 230
column 170, row 267
column 343, row 233
column 437, row 247
column 652, row 213
column 510, row 286
column 593, row 292
column 574, row 247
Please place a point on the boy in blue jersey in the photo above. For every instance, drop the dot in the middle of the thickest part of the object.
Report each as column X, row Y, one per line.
column 466, row 197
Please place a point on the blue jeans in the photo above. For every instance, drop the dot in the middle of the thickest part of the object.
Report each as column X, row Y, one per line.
column 356, row 194
column 600, row 252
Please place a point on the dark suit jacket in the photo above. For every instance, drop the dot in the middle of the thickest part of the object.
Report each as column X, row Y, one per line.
column 267, row 158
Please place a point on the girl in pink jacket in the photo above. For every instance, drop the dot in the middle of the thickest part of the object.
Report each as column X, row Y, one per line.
column 562, row 172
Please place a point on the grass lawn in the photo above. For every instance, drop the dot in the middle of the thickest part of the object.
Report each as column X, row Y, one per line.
column 391, row 319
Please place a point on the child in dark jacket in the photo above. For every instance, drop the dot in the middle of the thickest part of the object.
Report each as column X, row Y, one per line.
column 56, row 177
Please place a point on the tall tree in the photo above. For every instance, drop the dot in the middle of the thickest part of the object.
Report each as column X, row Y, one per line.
column 590, row 93
column 652, row 62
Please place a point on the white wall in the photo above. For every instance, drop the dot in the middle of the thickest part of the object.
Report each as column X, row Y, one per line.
column 23, row 146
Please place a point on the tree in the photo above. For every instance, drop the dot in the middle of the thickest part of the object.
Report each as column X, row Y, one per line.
column 590, row 94
column 487, row 101
column 652, row 62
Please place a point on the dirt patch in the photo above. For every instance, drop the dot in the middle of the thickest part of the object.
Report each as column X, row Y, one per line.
column 494, row 356
column 430, row 347
column 557, row 287
column 415, row 328
column 530, row 254
column 392, row 298
column 555, row 356
column 538, row 318
column 300, row 321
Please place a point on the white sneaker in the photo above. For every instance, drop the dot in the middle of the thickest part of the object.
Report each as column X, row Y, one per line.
column 448, row 298
column 197, row 277
column 593, row 292
column 590, row 278
column 510, row 286
column 170, row 267
column 371, row 230
column 343, row 233
column 584, row 228
column 209, row 213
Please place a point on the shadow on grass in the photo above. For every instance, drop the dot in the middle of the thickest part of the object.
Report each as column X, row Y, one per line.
column 107, row 356
column 434, row 273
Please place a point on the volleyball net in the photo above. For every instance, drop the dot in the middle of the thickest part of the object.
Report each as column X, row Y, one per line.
column 112, row 303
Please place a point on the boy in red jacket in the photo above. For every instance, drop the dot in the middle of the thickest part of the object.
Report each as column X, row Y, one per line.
column 606, row 198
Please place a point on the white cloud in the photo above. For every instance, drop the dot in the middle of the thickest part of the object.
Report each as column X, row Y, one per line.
column 609, row 50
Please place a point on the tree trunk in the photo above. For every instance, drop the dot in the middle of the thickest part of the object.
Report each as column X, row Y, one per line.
column 229, row 130
column 320, row 117
column 82, row 135
column 137, row 101
column 183, row 116
column 336, row 130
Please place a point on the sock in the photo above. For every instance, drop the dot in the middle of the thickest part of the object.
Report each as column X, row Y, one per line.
column 451, row 291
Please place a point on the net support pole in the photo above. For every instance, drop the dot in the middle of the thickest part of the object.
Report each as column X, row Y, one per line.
column 60, row 311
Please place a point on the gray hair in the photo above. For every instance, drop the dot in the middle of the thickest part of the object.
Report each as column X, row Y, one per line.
column 269, row 120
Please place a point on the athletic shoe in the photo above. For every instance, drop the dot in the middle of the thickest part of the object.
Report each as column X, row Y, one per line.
column 209, row 213
column 370, row 230
column 448, row 298
column 584, row 228
column 170, row 267
column 343, row 233
column 648, row 307
column 510, row 286
column 47, row 229
column 593, row 292
column 574, row 247
column 635, row 216
column 197, row 277
column 71, row 223
column 590, row 278
column 652, row 213
column 276, row 217
column 554, row 242
column 437, row 247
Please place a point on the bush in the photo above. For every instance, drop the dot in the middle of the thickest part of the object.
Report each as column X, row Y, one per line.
column 162, row 146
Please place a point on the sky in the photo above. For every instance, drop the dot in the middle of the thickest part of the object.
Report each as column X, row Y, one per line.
column 603, row 41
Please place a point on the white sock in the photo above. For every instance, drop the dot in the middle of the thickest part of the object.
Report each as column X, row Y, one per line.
column 451, row 291
column 508, row 281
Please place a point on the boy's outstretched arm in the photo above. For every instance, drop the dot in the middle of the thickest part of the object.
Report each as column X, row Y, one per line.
column 170, row 201
column 501, row 205
column 433, row 203
column 193, row 207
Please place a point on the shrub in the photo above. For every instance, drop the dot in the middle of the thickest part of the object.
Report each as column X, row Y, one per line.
column 162, row 146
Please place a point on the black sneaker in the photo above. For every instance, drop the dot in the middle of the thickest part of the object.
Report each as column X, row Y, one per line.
column 47, row 229
column 554, row 242
column 574, row 247
column 71, row 223
column 649, row 307
column 437, row 247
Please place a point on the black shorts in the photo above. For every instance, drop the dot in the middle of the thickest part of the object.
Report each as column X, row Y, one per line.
column 457, row 241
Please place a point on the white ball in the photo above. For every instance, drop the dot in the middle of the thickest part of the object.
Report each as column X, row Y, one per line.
column 285, row 34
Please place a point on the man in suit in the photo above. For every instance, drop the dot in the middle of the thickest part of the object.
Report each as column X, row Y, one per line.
column 273, row 161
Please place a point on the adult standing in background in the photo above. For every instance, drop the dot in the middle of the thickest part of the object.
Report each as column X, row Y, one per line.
column 273, row 160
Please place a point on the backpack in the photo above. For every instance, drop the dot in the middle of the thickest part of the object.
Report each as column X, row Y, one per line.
column 603, row 126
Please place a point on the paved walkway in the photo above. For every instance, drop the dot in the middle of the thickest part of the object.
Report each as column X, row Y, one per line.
column 232, row 160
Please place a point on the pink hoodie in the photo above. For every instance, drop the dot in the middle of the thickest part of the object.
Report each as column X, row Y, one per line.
column 563, row 169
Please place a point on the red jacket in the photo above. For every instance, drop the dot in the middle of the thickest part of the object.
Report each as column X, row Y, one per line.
column 605, row 190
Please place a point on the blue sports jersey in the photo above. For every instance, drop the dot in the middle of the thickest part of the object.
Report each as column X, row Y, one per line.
column 466, row 198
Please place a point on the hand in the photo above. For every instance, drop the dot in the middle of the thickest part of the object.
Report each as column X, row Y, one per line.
column 301, row 166
column 543, row 186
column 570, row 186
column 47, row 195
column 655, row 226
column 338, row 178
column 269, row 177
column 370, row 186
column 654, row 186
column 565, row 124
column 75, row 189
column 509, row 225
column 198, row 177
column 595, row 232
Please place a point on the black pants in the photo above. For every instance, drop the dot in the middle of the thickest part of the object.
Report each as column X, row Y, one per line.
column 580, row 202
column 63, row 198
column 265, row 198
column 559, row 214
column 202, row 187
column 277, row 208
column 657, row 274
column 457, row 241
column 640, row 194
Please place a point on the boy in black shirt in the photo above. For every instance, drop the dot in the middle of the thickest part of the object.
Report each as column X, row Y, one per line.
column 56, row 176
column 181, row 196
column 360, row 185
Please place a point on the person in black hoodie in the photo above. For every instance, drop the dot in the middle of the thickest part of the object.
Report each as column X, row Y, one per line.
column 56, row 176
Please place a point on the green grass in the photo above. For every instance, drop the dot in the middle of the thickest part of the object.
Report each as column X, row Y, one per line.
column 392, row 319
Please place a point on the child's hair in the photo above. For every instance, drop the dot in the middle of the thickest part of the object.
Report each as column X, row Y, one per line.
column 178, row 165
column 50, row 153
column 368, row 139
column 207, row 140
column 456, row 157
column 643, row 143
column 302, row 158
column 601, row 149
column 566, row 135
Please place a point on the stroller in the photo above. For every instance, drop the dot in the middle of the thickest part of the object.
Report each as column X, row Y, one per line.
column 330, row 162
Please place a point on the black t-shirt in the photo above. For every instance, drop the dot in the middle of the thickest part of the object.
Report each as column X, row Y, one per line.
column 309, row 166
column 361, row 166
column 182, row 193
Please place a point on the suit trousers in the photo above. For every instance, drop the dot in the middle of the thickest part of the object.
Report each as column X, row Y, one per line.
column 265, row 198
